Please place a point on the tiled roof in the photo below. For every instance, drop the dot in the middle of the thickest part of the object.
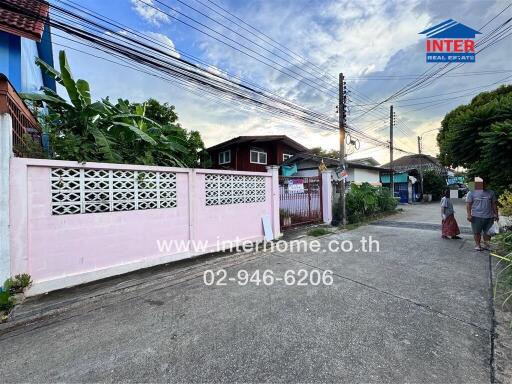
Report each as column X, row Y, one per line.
column 14, row 20
column 414, row 161
column 329, row 162
column 259, row 139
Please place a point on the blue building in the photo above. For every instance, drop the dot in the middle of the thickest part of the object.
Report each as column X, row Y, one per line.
column 408, row 175
column 22, row 39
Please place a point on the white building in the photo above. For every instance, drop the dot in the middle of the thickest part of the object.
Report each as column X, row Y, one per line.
column 359, row 171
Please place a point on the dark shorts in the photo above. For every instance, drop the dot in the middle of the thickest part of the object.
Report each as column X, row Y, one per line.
column 479, row 224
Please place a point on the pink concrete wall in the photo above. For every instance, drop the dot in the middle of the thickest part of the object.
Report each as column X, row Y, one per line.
column 229, row 221
column 63, row 250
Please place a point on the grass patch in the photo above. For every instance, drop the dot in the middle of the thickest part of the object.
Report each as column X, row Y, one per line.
column 367, row 219
column 503, row 282
column 318, row 232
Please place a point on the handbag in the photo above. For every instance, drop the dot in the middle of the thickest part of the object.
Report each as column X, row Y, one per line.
column 494, row 230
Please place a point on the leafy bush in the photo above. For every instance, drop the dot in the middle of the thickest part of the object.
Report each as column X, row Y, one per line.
column 366, row 200
column 17, row 283
column 30, row 148
column 434, row 184
column 385, row 201
column 6, row 301
column 503, row 284
column 505, row 203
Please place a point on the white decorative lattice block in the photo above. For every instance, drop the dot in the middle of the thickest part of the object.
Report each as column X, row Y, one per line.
column 100, row 190
column 233, row 189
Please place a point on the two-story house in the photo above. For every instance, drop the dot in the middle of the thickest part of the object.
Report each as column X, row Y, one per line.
column 254, row 153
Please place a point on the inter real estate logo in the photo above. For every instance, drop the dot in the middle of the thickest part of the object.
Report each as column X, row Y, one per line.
column 450, row 41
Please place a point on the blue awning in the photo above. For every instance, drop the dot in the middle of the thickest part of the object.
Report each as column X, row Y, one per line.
column 289, row 170
column 397, row 178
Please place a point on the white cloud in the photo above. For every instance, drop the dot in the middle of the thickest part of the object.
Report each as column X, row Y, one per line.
column 366, row 42
column 147, row 10
column 163, row 42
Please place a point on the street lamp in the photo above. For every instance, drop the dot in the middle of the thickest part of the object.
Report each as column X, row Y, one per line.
column 420, row 137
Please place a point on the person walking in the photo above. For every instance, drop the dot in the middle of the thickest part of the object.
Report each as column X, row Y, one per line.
column 449, row 226
column 482, row 211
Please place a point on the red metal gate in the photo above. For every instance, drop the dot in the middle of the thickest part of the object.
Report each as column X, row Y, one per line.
column 300, row 200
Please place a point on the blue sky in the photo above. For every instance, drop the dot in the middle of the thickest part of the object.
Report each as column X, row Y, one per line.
column 359, row 38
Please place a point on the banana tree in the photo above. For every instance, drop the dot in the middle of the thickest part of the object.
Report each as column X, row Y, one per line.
column 161, row 145
column 83, row 130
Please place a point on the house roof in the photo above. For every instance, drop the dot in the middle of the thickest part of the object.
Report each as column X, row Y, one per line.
column 366, row 161
column 259, row 139
column 328, row 161
column 13, row 19
column 414, row 161
column 450, row 29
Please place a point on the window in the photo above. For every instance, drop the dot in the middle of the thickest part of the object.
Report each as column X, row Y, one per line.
column 225, row 157
column 286, row 156
column 258, row 157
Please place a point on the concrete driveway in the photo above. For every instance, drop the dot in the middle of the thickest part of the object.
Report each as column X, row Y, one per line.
column 417, row 311
column 431, row 213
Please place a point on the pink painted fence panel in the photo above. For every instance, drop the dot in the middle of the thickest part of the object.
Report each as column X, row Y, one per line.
column 61, row 250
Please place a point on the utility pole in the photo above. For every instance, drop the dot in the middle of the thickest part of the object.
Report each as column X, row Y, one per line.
column 342, row 114
column 421, row 165
column 392, row 172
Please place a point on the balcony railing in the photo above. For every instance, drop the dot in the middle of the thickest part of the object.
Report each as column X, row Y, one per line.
column 23, row 122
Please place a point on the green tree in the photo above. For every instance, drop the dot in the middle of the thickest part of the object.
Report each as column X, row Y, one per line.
column 165, row 114
column 119, row 132
column 478, row 137
column 365, row 200
column 332, row 153
column 434, row 184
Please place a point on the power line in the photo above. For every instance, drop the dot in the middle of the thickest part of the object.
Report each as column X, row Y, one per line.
column 314, row 74
column 200, row 92
column 105, row 42
column 395, row 77
column 297, row 55
column 447, row 93
column 427, row 78
column 253, row 53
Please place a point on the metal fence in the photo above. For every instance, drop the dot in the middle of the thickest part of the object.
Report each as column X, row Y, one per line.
column 300, row 200
column 23, row 122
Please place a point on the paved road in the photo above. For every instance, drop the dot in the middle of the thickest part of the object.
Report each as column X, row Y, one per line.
column 417, row 311
column 431, row 213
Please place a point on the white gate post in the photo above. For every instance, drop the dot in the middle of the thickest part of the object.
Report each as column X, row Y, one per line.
column 6, row 154
column 274, row 195
column 327, row 196
column 192, row 205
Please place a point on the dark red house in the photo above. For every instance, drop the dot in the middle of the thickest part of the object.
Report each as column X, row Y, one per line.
column 253, row 153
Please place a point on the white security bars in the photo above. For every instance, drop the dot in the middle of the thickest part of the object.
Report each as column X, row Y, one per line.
column 234, row 189
column 101, row 190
